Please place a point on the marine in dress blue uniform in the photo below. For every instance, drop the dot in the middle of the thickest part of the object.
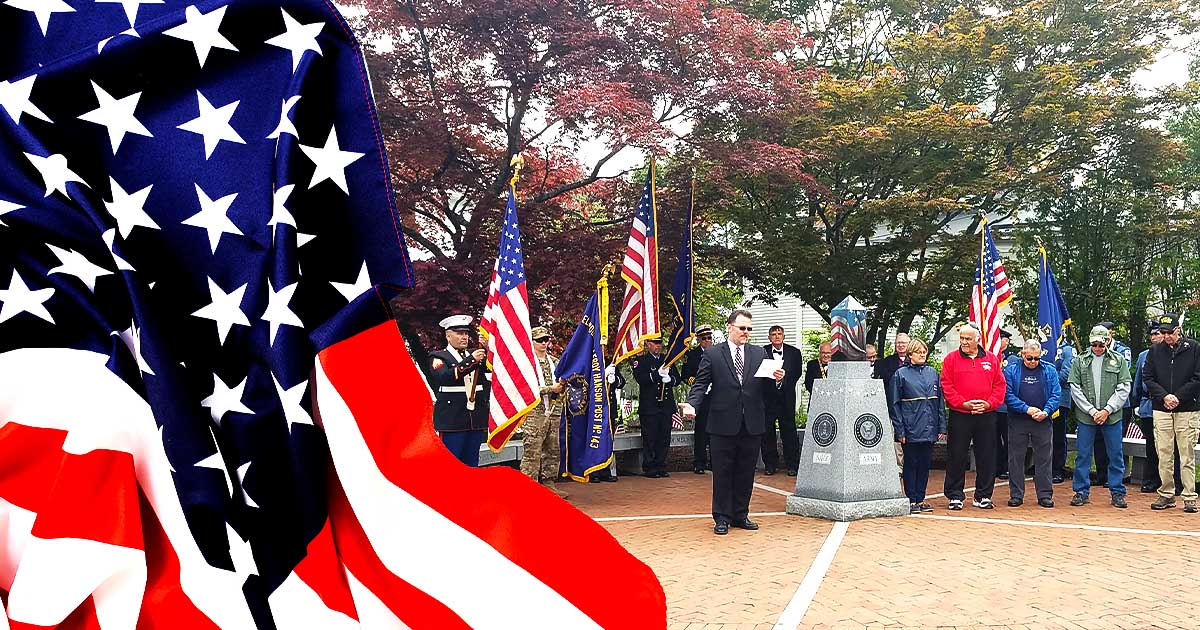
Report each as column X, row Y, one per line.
column 656, row 404
column 461, row 423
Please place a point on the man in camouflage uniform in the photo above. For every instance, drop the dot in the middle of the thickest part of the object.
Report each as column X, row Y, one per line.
column 461, row 423
column 540, row 457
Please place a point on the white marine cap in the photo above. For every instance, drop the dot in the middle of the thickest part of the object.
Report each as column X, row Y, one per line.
column 457, row 322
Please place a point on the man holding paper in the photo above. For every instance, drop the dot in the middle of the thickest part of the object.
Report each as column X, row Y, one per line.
column 737, row 417
column 781, row 405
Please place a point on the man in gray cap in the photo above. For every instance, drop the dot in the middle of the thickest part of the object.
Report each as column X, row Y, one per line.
column 540, row 457
column 460, row 382
column 1172, row 379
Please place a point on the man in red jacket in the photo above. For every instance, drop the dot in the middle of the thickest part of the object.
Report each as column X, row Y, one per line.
column 974, row 386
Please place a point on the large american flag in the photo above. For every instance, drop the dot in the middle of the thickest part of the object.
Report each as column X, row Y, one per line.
column 207, row 418
column 639, row 310
column 990, row 291
column 505, row 324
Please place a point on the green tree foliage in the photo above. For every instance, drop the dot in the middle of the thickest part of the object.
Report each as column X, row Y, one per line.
column 932, row 114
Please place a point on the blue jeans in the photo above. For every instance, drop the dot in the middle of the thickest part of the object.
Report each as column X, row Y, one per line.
column 1085, row 443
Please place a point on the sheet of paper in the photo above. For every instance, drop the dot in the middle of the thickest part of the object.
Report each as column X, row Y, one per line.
column 767, row 368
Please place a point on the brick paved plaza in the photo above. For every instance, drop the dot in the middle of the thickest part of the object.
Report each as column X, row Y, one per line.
column 1029, row 567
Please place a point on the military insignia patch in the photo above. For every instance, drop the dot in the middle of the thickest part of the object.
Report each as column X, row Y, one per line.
column 438, row 363
column 634, row 365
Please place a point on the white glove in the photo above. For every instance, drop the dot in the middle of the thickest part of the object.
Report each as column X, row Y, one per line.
column 610, row 374
column 687, row 410
column 664, row 374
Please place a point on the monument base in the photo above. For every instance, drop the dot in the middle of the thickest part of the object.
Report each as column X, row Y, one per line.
column 846, row 511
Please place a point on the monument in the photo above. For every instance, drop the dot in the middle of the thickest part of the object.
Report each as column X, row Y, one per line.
column 848, row 465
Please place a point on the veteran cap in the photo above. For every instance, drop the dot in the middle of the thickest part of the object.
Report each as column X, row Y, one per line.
column 703, row 330
column 538, row 332
column 1167, row 321
column 1098, row 333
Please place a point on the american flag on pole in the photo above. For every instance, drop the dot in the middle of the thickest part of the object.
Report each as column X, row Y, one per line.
column 505, row 326
column 990, row 291
column 639, row 310
column 207, row 417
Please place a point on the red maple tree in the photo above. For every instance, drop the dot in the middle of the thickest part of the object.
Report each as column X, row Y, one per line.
column 462, row 86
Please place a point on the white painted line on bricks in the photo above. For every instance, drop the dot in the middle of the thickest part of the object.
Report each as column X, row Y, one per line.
column 1093, row 528
column 606, row 519
column 794, row 613
column 763, row 486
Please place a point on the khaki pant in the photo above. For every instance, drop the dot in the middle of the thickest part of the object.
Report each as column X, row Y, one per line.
column 1176, row 430
column 539, row 460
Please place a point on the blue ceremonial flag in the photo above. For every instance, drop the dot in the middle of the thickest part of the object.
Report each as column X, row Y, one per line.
column 681, row 292
column 1053, row 317
column 585, row 436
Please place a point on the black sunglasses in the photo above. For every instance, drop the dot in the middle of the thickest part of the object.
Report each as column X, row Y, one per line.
column 542, row 339
column 1033, row 359
column 1098, row 344
column 744, row 328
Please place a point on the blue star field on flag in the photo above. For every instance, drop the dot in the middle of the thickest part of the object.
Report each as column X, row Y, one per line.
column 199, row 193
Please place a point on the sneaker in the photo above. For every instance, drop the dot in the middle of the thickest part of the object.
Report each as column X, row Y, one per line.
column 1118, row 501
column 1059, row 479
column 914, row 508
column 1046, row 502
column 925, row 507
column 1015, row 502
column 955, row 504
column 1079, row 499
column 1189, row 506
column 983, row 504
column 1162, row 503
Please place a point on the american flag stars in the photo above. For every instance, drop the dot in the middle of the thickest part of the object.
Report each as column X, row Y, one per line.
column 149, row 199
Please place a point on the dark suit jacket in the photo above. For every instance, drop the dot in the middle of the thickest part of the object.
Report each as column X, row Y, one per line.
column 732, row 405
column 812, row 373
column 783, row 397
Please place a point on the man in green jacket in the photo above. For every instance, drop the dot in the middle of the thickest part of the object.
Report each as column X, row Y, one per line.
column 1100, row 385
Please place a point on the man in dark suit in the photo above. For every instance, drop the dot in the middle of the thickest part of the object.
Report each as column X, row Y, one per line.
column 736, row 419
column 817, row 367
column 781, row 406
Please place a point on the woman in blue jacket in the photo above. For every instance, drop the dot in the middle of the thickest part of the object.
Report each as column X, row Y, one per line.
column 918, row 413
column 1033, row 396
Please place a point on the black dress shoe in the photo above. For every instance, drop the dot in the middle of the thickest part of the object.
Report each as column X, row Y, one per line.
column 1002, row 476
column 1059, row 479
column 609, row 479
column 1046, row 502
column 1014, row 502
column 594, row 479
column 650, row 474
column 792, row 472
column 769, row 471
column 745, row 524
column 1148, row 489
column 699, row 470
column 663, row 473
column 721, row 528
